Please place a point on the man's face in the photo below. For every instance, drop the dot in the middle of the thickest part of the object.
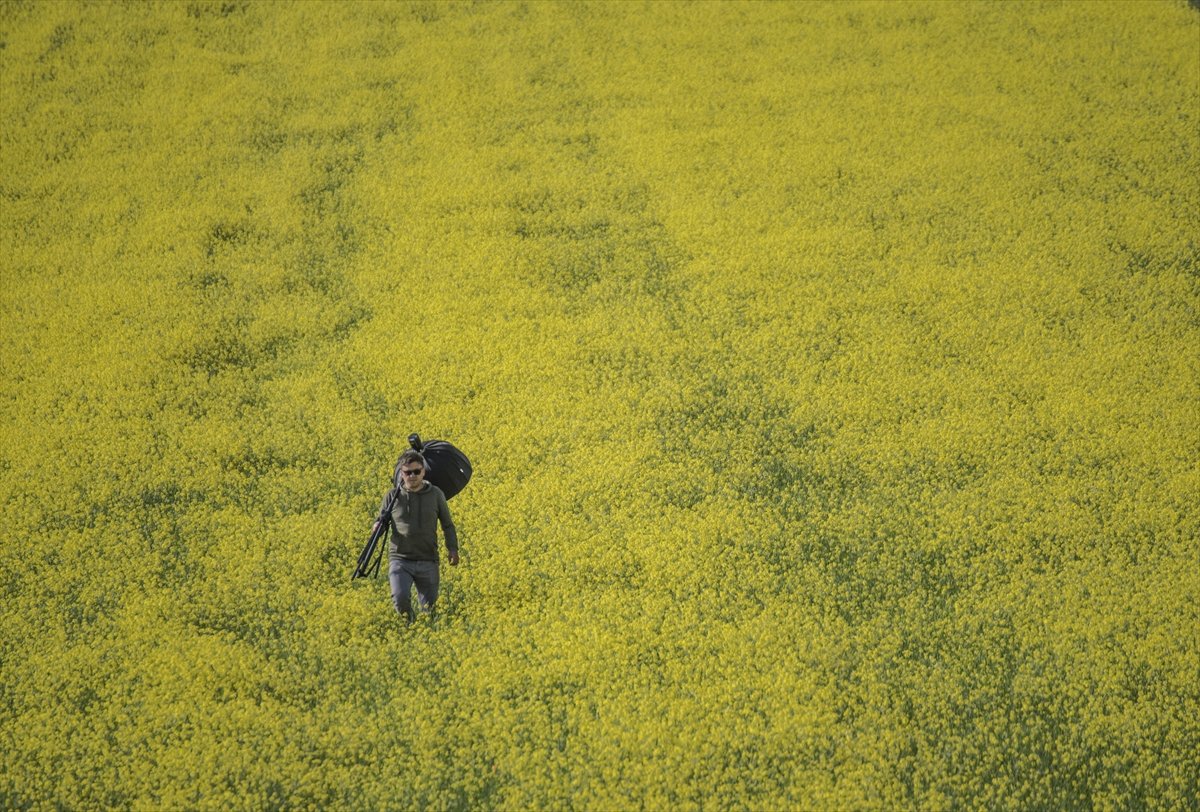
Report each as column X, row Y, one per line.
column 412, row 475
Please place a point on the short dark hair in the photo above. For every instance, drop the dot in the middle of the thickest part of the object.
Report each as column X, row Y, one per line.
column 412, row 455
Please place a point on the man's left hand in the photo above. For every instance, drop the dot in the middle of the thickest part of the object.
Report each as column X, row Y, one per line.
column 454, row 558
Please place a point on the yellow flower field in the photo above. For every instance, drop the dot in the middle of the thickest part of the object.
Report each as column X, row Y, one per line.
column 829, row 371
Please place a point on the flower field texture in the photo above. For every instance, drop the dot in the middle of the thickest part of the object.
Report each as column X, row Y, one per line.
column 830, row 372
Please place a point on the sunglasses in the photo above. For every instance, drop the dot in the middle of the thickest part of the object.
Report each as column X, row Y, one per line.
column 412, row 471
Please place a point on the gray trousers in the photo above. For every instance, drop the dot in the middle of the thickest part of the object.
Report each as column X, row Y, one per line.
column 404, row 575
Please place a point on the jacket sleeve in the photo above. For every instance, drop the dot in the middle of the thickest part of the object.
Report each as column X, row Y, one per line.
column 387, row 500
column 448, row 529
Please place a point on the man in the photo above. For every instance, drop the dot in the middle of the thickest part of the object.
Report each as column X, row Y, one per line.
column 418, row 508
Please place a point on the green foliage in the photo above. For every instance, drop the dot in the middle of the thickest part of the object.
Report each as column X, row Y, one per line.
column 829, row 370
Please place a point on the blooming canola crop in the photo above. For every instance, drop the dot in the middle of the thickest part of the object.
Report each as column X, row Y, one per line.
column 828, row 370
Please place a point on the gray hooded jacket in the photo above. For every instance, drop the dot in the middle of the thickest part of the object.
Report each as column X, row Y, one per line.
column 415, row 517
